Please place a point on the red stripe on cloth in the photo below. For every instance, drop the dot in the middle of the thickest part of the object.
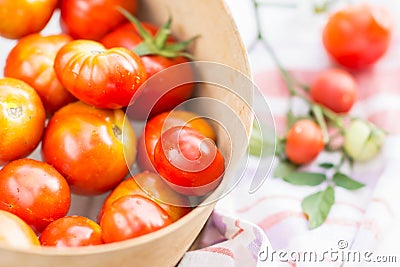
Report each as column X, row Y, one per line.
column 276, row 218
column 220, row 250
column 239, row 231
column 385, row 204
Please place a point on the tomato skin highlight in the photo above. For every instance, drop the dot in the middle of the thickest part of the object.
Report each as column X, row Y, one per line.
column 31, row 61
column 71, row 231
column 132, row 216
column 21, row 112
column 357, row 36
column 34, row 191
column 92, row 19
column 19, row 18
column 304, row 141
column 336, row 89
column 105, row 78
column 90, row 146
column 15, row 232
column 189, row 162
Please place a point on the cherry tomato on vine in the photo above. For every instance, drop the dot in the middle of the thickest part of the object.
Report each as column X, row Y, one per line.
column 155, row 126
column 304, row 141
column 34, row 191
column 71, row 231
column 92, row 19
column 359, row 35
column 105, row 78
column 152, row 186
column 32, row 60
column 93, row 145
column 22, row 17
column 188, row 161
column 140, row 216
column 336, row 89
column 22, row 119
column 157, row 57
column 15, row 232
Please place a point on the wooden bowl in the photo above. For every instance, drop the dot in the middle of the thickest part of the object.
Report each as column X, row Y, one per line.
column 219, row 42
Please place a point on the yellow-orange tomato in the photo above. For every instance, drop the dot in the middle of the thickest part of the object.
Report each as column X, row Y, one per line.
column 91, row 147
column 22, row 119
column 15, row 232
column 22, row 17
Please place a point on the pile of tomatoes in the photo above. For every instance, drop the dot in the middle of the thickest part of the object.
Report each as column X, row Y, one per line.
column 68, row 94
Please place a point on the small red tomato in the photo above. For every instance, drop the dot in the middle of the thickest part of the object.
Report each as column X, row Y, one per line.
column 94, row 147
column 32, row 60
column 92, row 19
column 336, row 89
column 165, row 92
column 304, row 141
column 188, row 161
column 15, row 232
column 132, row 216
column 34, row 191
column 150, row 185
column 22, row 119
column 22, row 17
column 105, row 78
column 162, row 122
column 71, row 231
column 357, row 36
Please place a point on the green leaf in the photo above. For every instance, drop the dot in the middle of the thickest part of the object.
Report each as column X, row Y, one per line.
column 284, row 168
column 327, row 165
column 261, row 143
column 317, row 206
column 345, row 181
column 305, row 178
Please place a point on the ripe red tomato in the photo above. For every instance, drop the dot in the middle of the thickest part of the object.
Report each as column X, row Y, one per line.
column 15, row 232
column 154, row 127
column 34, row 191
column 87, row 146
column 22, row 119
column 22, row 17
column 357, row 36
column 97, row 76
column 152, row 186
column 304, row 141
column 189, row 162
column 32, row 60
column 132, row 216
column 71, row 231
column 336, row 89
column 157, row 97
column 92, row 19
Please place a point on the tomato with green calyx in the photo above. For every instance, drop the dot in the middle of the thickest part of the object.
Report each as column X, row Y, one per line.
column 158, row 51
column 105, row 78
column 188, row 161
column 94, row 147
